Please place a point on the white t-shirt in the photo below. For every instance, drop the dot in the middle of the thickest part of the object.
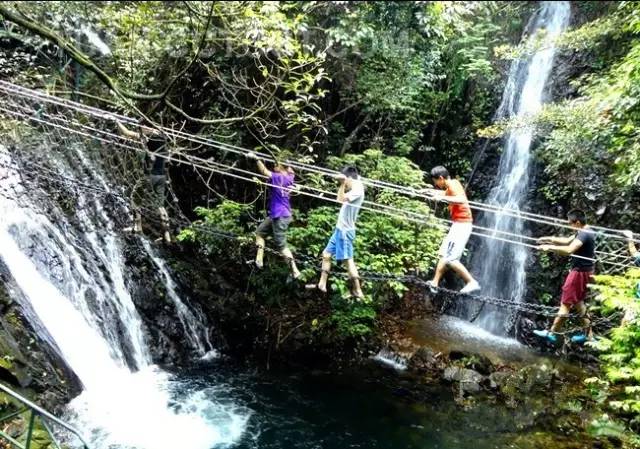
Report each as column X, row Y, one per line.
column 349, row 210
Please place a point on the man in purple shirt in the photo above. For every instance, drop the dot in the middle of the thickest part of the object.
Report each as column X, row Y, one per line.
column 277, row 222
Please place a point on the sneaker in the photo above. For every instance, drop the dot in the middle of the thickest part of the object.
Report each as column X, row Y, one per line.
column 578, row 338
column 471, row 287
column 433, row 288
column 546, row 334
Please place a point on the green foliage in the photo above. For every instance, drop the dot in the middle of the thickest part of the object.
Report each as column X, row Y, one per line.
column 352, row 319
column 384, row 244
column 619, row 387
column 227, row 217
column 599, row 123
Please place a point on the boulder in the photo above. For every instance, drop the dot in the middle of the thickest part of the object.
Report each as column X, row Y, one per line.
column 470, row 380
column 522, row 384
column 425, row 360
column 498, row 379
column 476, row 362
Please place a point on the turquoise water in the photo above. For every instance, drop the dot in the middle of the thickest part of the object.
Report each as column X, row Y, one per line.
column 367, row 407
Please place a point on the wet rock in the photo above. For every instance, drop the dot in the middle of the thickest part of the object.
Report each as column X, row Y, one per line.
column 530, row 380
column 425, row 360
column 476, row 362
column 498, row 379
column 470, row 381
column 13, row 372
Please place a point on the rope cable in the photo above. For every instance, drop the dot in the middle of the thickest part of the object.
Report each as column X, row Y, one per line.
column 608, row 232
column 219, row 169
column 150, row 215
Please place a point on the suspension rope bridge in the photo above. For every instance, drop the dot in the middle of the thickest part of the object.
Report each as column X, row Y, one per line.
column 74, row 126
column 15, row 90
column 313, row 192
column 99, row 113
column 33, row 170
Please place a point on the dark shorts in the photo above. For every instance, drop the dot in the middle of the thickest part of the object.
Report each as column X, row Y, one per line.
column 278, row 227
column 159, row 187
column 575, row 288
column 149, row 190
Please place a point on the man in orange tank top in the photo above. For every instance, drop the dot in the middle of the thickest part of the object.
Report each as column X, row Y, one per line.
column 453, row 245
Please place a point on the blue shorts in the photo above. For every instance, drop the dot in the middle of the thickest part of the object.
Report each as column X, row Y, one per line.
column 341, row 244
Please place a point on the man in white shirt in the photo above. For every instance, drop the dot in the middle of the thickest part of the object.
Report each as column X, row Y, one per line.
column 351, row 195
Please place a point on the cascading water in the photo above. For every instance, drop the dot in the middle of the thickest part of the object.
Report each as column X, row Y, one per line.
column 500, row 265
column 195, row 331
column 72, row 280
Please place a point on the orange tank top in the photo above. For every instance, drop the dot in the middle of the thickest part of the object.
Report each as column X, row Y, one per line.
column 459, row 212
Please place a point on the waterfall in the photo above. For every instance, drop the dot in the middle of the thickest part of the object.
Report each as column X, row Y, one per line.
column 70, row 272
column 195, row 330
column 502, row 266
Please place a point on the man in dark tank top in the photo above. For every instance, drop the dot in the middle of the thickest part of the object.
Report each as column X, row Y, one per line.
column 154, row 184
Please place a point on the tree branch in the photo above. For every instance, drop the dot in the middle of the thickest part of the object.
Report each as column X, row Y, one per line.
column 193, row 60
column 72, row 51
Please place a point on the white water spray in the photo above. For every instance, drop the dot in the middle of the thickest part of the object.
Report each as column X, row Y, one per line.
column 195, row 331
column 73, row 287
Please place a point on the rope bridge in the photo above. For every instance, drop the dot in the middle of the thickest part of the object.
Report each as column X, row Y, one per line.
column 59, row 114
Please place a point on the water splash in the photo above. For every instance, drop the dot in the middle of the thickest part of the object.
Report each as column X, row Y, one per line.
column 388, row 357
column 195, row 330
column 95, row 40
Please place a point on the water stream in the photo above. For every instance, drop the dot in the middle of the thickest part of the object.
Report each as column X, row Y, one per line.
column 73, row 286
column 501, row 266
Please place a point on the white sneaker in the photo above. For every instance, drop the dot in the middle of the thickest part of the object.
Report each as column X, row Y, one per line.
column 471, row 287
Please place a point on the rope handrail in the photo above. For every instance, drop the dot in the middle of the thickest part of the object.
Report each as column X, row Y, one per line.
column 12, row 88
column 422, row 219
column 150, row 214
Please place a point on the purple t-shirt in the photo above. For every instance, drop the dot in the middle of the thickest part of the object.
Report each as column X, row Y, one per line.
column 279, row 205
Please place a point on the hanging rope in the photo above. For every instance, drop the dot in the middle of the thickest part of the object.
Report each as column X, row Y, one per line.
column 222, row 169
column 42, row 172
column 96, row 112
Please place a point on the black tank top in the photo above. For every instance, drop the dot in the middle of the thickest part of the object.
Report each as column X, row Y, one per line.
column 157, row 143
column 588, row 249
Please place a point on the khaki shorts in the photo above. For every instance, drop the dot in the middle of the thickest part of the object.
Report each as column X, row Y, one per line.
column 456, row 240
column 278, row 227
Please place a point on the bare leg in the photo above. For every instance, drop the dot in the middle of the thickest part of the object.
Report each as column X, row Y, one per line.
column 352, row 269
column 164, row 216
column 440, row 270
column 563, row 312
column 462, row 271
column 137, row 221
column 581, row 307
column 260, row 251
column 326, row 267
column 286, row 252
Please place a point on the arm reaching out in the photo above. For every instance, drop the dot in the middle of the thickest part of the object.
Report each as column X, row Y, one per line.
column 632, row 247
column 261, row 167
column 565, row 250
column 556, row 240
column 127, row 133
column 342, row 197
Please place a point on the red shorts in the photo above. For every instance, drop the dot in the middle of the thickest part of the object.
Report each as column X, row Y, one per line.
column 574, row 289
